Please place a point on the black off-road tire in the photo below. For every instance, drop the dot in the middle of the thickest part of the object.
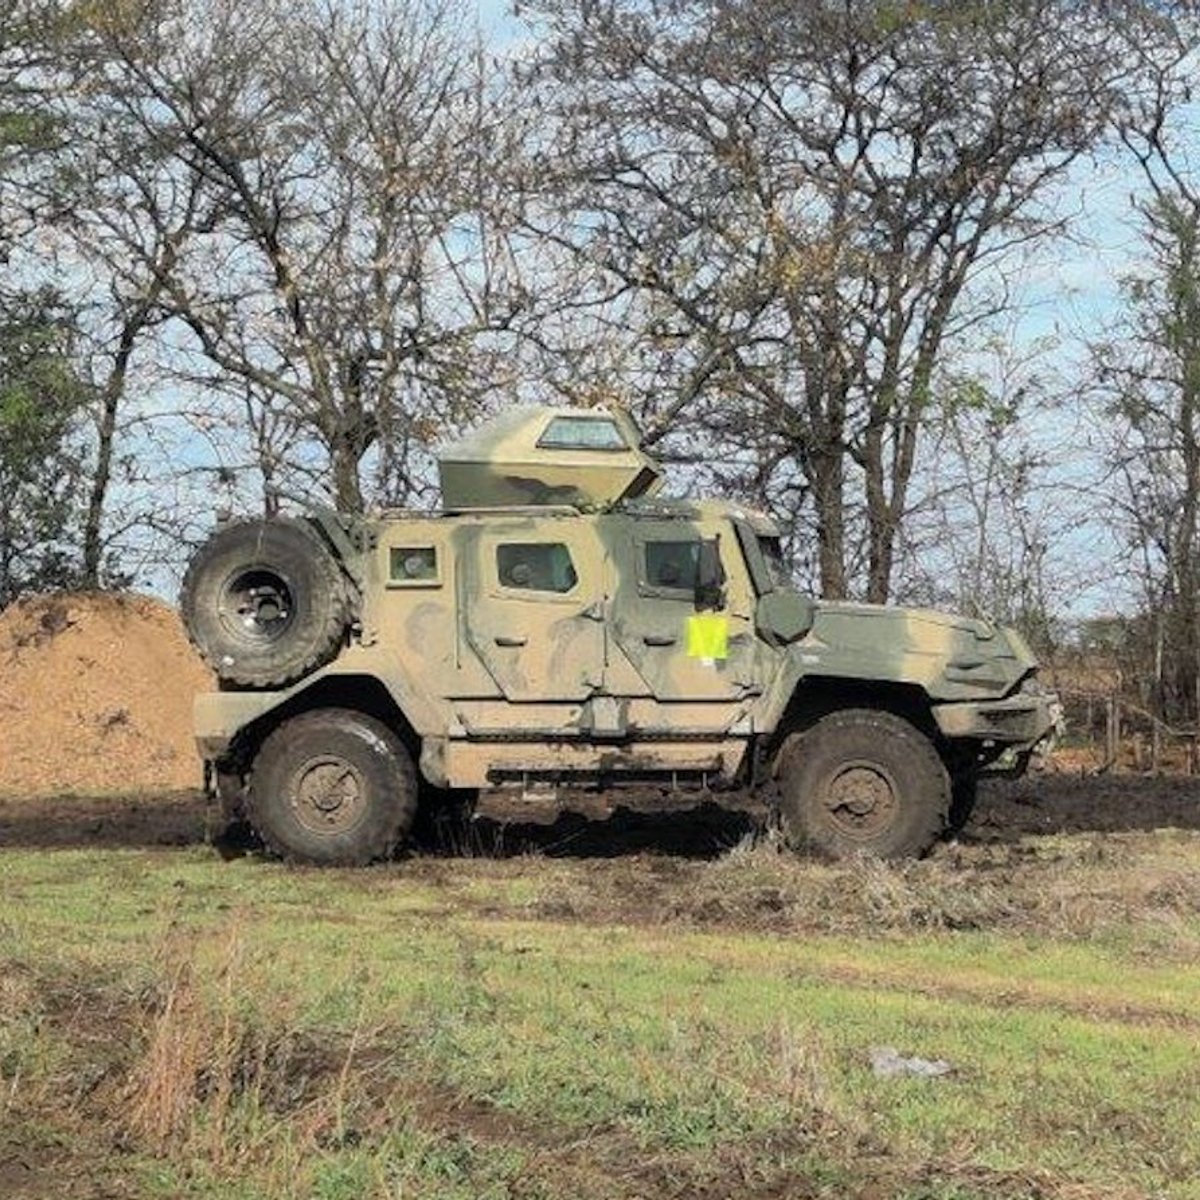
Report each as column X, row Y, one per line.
column 863, row 781
column 964, row 792
column 265, row 602
column 332, row 787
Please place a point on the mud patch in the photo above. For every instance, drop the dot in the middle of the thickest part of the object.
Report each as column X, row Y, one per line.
column 1007, row 813
column 501, row 827
column 86, row 822
column 1057, row 804
column 59, row 1168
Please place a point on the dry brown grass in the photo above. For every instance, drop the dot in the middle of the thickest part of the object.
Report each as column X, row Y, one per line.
column 1073, row 888
column 210, row 1077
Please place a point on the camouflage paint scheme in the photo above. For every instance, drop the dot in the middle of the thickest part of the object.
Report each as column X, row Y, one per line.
column 600, row 670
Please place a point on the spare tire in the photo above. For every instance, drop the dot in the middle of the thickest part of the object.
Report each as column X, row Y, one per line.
column 265, row 602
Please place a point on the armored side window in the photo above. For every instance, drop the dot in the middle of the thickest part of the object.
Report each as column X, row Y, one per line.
column 672, row 564
column 536, row 566
column 413, row 565
column 583, row 433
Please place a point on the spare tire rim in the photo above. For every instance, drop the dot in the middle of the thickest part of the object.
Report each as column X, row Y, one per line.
column 328, row 795
column 257, row 605
column 861, row 799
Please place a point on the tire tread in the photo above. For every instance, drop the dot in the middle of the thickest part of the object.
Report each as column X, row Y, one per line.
column 930, row 815
column 335, row 599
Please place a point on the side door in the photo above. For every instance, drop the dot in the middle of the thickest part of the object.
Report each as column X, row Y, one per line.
column 534, row 611
column 682, row 653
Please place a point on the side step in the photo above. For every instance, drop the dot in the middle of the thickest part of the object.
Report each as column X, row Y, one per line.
column 539, row 765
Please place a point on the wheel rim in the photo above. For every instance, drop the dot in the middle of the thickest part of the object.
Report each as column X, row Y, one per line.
column 861, row 800
column 329, row 795
column 257, row 605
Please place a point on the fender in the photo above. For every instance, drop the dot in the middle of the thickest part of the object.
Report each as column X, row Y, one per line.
column 221, row 717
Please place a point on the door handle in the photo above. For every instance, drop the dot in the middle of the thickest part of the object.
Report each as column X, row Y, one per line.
column 504, row 640
column 659, row 639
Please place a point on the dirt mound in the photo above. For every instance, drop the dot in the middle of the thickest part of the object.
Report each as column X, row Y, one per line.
column 96, row 696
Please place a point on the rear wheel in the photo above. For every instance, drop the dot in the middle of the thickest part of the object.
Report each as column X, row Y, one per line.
column 334, row 788
column 863, row 781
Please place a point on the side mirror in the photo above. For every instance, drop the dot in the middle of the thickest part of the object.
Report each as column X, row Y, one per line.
column 710, row 576
column 785, row 616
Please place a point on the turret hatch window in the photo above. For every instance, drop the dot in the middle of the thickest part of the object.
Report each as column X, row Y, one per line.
column 583, row 433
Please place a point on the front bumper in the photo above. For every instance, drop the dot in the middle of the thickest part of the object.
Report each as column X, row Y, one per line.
column 1025, row 723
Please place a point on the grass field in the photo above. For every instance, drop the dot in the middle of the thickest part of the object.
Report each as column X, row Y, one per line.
column 658, row 1024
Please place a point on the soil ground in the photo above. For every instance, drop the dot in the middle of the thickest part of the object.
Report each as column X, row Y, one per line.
column 1007, row 812
column 96, row 696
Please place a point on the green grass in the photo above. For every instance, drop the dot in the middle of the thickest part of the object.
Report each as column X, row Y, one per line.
column 428, row 1032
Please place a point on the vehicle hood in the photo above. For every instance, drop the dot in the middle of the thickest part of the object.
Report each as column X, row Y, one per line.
column 952, row 657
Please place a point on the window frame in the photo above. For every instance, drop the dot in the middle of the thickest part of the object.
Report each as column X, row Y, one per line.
column 434, row 580
column 623, row 448
column 526, row 593
column 663, row 591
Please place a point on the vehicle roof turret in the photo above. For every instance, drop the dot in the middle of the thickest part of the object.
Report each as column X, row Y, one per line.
column 541, row 455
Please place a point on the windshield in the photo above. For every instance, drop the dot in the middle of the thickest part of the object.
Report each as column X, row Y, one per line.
column 778, row 568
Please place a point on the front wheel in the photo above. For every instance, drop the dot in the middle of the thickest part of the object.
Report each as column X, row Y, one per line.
column 863, row 781
column 332, row 787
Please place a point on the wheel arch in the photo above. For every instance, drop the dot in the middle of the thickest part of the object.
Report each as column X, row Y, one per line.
column 817, row 696
column 363, row 693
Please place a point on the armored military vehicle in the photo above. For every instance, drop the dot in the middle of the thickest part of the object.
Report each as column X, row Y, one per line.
column 558, row 625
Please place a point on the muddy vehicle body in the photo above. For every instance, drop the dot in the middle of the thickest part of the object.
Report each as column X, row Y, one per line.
column 557, row 626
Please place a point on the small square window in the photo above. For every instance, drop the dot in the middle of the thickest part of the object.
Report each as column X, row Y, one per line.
column 413, row 564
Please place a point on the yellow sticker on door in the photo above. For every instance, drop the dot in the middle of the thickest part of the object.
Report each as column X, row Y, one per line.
column 708, row 637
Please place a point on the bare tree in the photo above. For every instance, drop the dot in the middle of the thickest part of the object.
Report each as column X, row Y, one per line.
column 1147, row 375
column 798, row 208
column 26, row 135
column 340, row 274
column 1150, row 380
column 1002, row 497
column 125, row 213
column 84, row 234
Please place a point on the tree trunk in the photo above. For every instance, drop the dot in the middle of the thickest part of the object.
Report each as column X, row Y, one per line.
column 827, row 472
column 880, row 533
column 347, row 488
column 106, row 430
